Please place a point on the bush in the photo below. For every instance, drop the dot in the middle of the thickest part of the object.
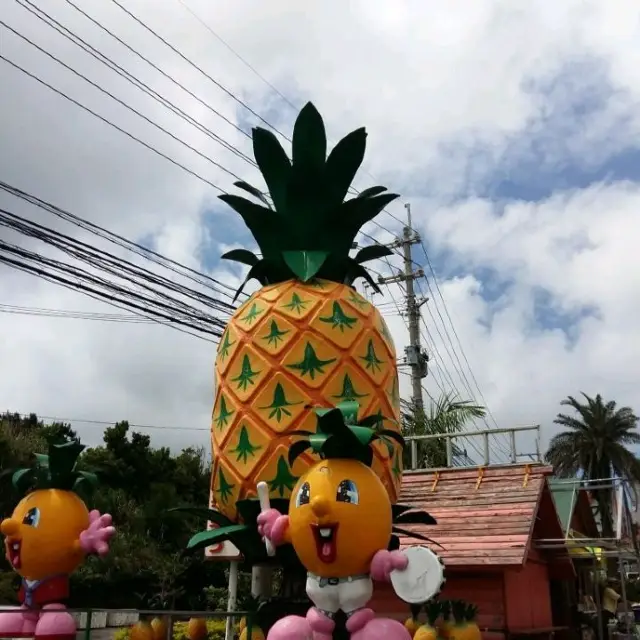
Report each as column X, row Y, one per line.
column 215, row 627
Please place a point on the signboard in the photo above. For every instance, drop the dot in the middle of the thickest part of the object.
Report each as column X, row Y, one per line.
column 223, row 550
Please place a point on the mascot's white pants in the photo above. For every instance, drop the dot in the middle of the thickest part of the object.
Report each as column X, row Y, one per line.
column 332, row 594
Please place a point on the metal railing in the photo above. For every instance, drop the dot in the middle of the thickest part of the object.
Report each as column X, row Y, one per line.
column 98, row 622
column 515, row 458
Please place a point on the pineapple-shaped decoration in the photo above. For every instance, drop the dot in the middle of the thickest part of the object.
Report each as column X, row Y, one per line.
column 307, row 338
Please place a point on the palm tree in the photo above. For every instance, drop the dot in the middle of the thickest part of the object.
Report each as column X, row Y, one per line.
column 447, row 414
column 595, row 445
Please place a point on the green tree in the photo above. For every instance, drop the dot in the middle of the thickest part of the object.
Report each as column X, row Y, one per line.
column 447, row 414
column 595, row 445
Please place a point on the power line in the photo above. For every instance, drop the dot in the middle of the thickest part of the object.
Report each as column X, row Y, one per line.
column 104, row 422
column 106, row 261
column 73, row 37
column 218, row 37
column 386, row 282
column 455, row 333
column 121, row 102
column 110, row 123
column 69, row 314
column 403, row 277
column 100, row 296
column 121, row 241
column 160, row 306
column 195, row 66
column 51, row 277
column 157, row 68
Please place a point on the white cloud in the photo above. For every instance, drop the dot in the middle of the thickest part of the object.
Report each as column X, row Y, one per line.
column 445, row 91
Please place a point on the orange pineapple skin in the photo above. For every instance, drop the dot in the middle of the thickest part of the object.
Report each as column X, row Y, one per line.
column 292, row 345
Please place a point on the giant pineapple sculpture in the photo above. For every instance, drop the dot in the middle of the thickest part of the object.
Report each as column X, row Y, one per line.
column 307, row 338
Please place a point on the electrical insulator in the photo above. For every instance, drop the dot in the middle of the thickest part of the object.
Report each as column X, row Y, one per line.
column 423, row 364
column 412, row 355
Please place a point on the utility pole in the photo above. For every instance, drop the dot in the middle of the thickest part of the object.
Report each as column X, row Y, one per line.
column 416, row 358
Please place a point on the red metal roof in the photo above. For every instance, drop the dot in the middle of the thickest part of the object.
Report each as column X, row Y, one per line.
column 491, row 524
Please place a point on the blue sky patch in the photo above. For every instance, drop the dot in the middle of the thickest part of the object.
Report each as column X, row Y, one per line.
column 549, row 316
column 221, row 225
column 532, row 181
column 560, row 149
column 148, row 241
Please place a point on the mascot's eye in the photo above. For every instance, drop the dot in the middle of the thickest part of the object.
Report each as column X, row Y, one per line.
column 32, row 519
column 347, row 492
column 304, row 495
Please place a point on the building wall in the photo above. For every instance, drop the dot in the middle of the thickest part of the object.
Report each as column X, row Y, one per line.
column 528, row 601
column 485, row 590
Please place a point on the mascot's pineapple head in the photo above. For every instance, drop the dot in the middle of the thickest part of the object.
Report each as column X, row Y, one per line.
column 42, row 534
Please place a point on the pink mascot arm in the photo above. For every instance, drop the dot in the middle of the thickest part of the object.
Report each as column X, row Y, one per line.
column 384, row 562
column 95, row 538
column 273, row 526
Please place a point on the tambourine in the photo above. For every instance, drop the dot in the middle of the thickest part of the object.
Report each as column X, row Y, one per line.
column 423, row 577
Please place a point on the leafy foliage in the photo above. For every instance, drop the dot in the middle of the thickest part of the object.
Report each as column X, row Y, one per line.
column 595, row 445
column 310, row 228
column 448, row 414
column 55, row 470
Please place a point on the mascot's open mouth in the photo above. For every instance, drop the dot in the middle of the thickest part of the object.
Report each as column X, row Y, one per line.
column 325, row 537
column 13, row 552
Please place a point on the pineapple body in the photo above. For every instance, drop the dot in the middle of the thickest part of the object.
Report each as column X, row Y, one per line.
column 290, row 346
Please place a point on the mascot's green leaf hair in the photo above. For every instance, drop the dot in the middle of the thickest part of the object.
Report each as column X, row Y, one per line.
column 56, row 470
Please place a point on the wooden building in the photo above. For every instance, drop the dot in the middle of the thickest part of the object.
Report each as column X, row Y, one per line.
column 488, row 522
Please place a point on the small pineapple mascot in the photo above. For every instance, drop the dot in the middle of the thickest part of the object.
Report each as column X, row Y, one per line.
column 47, row 537
column 142, row 630
column 306, row 338
column 256, row 633
column 465, row 626
column 340, row 525
column 444, row 627
column 256, row 608
column 197, row 629
column 412, row 623
column 429, row 630
column 159, row 628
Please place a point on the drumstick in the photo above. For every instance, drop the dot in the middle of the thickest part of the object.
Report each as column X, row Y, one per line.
column 265, row 505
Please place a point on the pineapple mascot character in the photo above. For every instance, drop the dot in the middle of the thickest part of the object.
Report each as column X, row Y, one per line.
column 47, row 537
column 306, row 338
column 340, row 523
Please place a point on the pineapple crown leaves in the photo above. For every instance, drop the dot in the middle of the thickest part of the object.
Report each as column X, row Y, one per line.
column 433, row 609
column 459, row 611
column 56, row 470
column 416, row 610
column 471, row 612
column 310, row 228
column 340, row 434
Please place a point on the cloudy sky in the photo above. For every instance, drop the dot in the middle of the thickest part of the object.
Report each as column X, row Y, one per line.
column 511, row 128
